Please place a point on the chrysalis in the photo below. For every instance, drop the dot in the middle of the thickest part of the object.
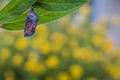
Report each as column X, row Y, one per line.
column 31, row 23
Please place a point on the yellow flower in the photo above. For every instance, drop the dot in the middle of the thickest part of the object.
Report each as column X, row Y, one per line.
column 76, row 71
column 45, row 47
column 9, row 75
column 52, row 62
column 77, row 53
column 97, row 40
column 42, row 32
column 91, row 78
column 34, row 66
column 63, row 76
column 113, row 70
column 17, row 60
column 41, row 69
column 41, row 28
column 5, row 53
column 83, row 53
column 21, row 43
column 33, row 56
column 9, row 78
column 108, row 46
column 56, row 47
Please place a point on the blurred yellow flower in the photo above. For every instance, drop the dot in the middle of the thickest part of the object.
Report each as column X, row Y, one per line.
column 113, row 70
column 21, row 43
column 64, row 76
column 9, row 75
column 34, row 66
column 41, row 28
column 92, row 78
column 52, row 62
column 83, row 53
column 97, row 40
column 76, row 71
column 17, row 60
column 5, row 53
column 45, row 47
column 108, row 46
column 42, row 32
column 77, row 53
column 33, row 56
column 9, row 78
column 41, row 69
column 56, row 47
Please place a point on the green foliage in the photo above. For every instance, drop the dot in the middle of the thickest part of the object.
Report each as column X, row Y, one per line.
column 14, row 9
column 59, row 5
column 13, row 15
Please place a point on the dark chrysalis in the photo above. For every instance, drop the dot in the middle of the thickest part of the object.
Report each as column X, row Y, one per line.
column 31, row 23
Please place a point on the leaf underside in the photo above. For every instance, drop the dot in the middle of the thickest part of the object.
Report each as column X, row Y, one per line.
column 13, row 15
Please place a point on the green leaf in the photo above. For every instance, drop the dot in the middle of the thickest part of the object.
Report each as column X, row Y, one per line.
column 14, row 17
column 44, row 15
column 14, row 9
column 59, row 5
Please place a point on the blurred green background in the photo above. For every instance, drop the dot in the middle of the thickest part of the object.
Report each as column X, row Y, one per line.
column 60, row 51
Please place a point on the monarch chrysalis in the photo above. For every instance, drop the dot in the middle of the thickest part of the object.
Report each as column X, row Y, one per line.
column 31, row 23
